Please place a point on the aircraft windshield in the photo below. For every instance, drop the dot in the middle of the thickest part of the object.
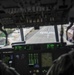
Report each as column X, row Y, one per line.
column 45, row 34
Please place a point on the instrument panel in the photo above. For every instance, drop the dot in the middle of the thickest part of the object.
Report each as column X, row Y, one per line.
column 32, row 59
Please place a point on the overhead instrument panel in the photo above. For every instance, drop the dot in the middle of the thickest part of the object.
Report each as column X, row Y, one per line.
column 28, row 13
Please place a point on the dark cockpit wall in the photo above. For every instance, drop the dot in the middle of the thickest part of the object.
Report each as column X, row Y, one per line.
column 34, row 59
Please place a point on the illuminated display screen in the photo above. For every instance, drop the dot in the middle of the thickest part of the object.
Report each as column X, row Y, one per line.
column 50, row 46
column 33, row 60
column 19, row 47
column 7, row 59
column 55, row 45
column 46, row 59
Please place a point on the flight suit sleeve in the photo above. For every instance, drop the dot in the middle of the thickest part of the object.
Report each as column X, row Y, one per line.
column 6, row 70
column 60, row 66
column 51, row 71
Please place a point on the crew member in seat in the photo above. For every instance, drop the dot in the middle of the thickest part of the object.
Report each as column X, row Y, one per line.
column 5, row 70
column 64, row 65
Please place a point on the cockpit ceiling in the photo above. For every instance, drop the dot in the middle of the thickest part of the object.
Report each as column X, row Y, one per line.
column 13, row 11
column 15, row 4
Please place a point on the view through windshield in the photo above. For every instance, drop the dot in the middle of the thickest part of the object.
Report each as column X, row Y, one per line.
column 46, row 34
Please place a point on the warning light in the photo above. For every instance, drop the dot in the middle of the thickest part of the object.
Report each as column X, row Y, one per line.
column 20, row 47
column 50, row 46
column 25, row 47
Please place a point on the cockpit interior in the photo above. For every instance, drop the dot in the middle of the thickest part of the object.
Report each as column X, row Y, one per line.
column 33, row 33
